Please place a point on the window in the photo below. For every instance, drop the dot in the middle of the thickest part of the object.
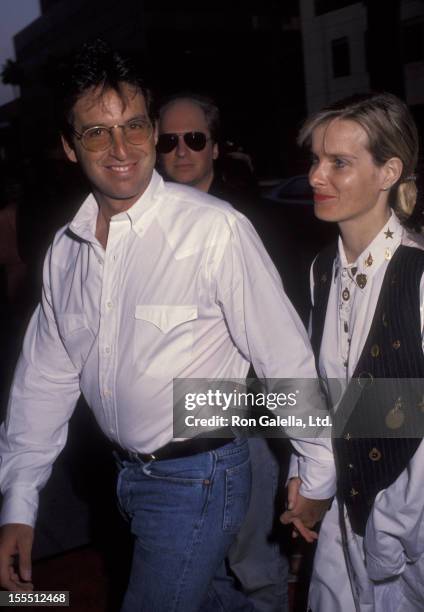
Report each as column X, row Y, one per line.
column 341, row 57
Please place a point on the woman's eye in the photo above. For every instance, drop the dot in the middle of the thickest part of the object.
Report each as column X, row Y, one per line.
column 339, row 163
column 314, row 160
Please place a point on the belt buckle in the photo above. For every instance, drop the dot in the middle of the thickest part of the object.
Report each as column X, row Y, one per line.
column 145, row 457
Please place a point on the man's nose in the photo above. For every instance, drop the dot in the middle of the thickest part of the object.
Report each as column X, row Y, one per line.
column 181, row 150
column 119, row 146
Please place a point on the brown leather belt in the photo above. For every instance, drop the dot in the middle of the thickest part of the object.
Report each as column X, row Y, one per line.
column 176, row 450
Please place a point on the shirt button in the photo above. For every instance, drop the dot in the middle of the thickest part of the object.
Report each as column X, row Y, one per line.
column 107, row 350
column 107, row 392
column 109, row 304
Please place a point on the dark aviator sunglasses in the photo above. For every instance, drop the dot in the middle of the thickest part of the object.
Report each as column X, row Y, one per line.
column 196, row 141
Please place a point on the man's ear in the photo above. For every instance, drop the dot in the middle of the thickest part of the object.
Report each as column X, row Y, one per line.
column 69, row 151
column 155, row 132
column 215, row 151
column 392, row 172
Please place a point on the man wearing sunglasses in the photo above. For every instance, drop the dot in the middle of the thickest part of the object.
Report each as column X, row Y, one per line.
column 147, row 283
column 189, row 127
column 187, row 142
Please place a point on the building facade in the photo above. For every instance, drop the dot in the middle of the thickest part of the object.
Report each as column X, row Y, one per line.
column 336, row 49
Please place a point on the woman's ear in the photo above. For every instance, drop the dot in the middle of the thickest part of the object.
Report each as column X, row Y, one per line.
column 392, row 172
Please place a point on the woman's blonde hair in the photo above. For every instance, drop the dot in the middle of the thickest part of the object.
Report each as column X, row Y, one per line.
column 391, row 133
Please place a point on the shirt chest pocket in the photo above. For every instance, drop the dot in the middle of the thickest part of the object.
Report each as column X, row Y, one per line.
column 163, row 340
column 76, row 337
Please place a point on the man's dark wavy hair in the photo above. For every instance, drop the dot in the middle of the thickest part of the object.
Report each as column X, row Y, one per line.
column 97, row 66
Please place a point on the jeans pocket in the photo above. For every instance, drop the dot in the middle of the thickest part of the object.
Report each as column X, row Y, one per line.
column 237, row 495
column 179, row 471
column 122, row 494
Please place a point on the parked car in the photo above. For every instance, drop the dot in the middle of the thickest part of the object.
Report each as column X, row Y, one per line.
column 294, row 190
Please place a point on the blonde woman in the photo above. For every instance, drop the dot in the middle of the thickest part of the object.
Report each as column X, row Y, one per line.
column 367, row 322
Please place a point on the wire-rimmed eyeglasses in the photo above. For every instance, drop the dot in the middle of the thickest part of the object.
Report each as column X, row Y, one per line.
column 99, row 137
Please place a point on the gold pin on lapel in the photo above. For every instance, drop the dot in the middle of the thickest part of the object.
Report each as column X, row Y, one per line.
column 361, row 280
column 395, row 417
column 374, row 454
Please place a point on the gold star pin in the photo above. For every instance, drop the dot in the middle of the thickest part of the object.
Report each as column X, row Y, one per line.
column 388, row 233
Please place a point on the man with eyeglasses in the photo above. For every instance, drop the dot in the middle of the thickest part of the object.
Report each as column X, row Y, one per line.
column 147, row 283
column 189, row 127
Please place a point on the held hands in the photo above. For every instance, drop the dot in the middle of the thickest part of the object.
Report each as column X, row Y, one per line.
column 16, row 540
column 302, row 512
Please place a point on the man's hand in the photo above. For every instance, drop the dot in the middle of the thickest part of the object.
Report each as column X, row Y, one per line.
column 302, row 512
column 16, row 540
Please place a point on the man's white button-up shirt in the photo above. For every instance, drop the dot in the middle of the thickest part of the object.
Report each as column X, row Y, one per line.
column 184, row 289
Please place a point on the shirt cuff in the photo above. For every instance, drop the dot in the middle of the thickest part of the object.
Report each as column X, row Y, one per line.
column 318, row 478
column 293, row 467
column 19, row 506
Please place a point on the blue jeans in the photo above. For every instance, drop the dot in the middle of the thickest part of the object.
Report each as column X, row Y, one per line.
column 184, row 514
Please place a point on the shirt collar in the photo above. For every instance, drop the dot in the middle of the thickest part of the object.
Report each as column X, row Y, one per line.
column 140, row 214
column 377, row 252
